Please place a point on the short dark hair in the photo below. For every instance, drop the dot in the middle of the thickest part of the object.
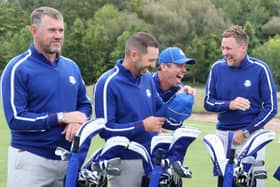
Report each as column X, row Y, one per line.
column 141, row 41
column 237, row 33
column 38, row 14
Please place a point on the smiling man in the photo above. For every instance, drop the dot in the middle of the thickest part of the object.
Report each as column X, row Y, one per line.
column 125, row 96
column 45, row 102
column 241, row 90
column 172, row 69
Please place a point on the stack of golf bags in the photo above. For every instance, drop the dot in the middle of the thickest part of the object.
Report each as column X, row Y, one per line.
column 162, row 164
column 241, row 169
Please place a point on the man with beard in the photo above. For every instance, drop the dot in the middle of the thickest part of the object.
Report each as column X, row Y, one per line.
column 241, row 90
column 45, row 102
column 126, row 97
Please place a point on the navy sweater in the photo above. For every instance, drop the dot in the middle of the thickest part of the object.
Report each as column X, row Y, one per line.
column 165, row 95
column 33, row 91
column 124, row 102
column 253, row 81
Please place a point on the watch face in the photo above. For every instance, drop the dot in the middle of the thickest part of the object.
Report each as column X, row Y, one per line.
column 60, row 116
column 246, row 133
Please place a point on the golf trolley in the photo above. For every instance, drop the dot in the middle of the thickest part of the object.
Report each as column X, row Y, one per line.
column 242, row 169
column 105, row 161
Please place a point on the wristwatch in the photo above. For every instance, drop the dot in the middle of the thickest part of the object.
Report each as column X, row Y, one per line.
column 60, row 117
column 246, row 133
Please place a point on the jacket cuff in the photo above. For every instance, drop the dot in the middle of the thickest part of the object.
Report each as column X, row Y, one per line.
column 52, row 120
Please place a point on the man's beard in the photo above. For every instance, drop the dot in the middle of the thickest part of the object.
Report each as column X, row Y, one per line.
column 53, row 50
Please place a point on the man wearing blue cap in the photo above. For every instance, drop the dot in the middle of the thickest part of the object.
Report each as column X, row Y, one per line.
column 172, row 69
column 168, row 80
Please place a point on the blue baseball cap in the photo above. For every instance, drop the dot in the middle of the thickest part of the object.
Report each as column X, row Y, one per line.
column 174, row 55
column 179, row 108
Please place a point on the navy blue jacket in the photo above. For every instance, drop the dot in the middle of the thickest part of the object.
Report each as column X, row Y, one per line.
column 33, row 91
column 165, row 95
column 124, row 102
column 253, row 81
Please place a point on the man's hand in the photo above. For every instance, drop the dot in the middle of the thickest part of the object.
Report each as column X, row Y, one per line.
column 70, row 131
column 188, row 89
column 154, row 124
column 74, row 117
column 239, row 103
column 238, row 137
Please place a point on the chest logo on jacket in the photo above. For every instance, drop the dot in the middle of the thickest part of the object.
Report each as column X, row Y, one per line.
column 148, row 93
column 247, row 83
column 72, row 80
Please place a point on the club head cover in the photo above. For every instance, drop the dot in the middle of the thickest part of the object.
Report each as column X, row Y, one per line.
column 80, row 148
column 256, row 142
column 182, row 138
column 161, row 141
column 113, row 147
column 215, row 148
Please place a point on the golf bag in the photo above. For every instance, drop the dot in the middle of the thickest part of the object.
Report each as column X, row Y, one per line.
column 105, row 161
column 79, row 149
column 244, row 174
column 172, row 149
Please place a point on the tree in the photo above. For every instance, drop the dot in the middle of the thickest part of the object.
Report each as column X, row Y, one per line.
column 17, row 43
column 12, row 18
column 272, row 27
column 179, row 21
column 99, row 40
column 74, row 47
column 253, row 40
column 269, row 52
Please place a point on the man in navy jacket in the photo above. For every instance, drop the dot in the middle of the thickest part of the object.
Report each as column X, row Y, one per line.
column 126, row 98
column 45, row 102
column 240, row 89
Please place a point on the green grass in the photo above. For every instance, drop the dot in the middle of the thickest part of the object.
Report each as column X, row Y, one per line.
column 197, row 157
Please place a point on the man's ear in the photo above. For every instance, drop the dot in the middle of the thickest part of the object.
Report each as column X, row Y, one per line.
column 244, row 47
column 33, row 29
column 163, row 66
column 134, row 55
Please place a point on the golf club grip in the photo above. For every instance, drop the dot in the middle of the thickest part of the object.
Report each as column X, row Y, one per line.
column 159, row 156
column 231, row 156
column 76, row 143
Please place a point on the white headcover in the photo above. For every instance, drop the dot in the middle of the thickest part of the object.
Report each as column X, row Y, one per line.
column 116, row 141
column 256, row 142
column 185, row 132
column 216, row 150
column 90, row 127
column 160, row 139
